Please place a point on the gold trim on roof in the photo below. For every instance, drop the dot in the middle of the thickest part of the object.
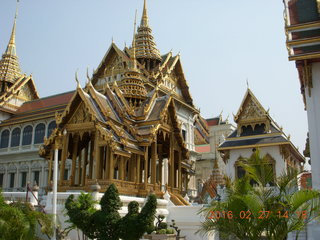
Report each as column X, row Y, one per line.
column 9, row 65
column 145, row 45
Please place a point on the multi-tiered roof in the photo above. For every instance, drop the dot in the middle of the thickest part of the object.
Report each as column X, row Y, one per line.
column 14, row 84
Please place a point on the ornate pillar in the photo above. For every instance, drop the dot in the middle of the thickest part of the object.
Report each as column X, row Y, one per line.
column 138, row 173
column 64, row 156
column 74, row 158
column 171, row 174
column 84, row 166
column 49, row 169
column 146, row 167
column 121, row 168
column 179, row 171
column 91, row 156
column 80, row 161
column 105, row 162
column 153, row 162
column 111, row 164
column 160, row 165
column 97, row 157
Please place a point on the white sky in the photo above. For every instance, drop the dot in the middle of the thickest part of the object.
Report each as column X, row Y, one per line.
column 222, row 43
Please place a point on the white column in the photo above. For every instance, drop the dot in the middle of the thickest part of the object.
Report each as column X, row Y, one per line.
column 55, row 182
column 165, row 173
column 313, row 110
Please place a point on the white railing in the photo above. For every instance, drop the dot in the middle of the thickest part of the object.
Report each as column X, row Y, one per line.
column 21, row 197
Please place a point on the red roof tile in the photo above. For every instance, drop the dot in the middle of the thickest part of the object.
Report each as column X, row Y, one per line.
column 46, row 102
column 203, row 148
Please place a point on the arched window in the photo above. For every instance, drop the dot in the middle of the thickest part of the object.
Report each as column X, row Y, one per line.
column 15, row 137
column 4, row 139
column 51, row 126
column 27, row 135
column 39, row 133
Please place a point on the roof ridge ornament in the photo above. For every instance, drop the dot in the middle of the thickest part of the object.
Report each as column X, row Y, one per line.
column 9, row 65
column 77, row 80
column 145, row 18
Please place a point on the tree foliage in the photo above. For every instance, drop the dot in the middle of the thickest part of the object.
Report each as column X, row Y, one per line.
column 19, row 221
column 254, row 208
column 106, row 223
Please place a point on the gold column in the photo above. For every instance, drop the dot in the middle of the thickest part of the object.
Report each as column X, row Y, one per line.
column 91, row 157
column 134, row 168
column 64, row 156
column 111, row 164
column 97, row 157
column 74, row 158
column 153, row 162
column 138, row 169
column 179, row 172
column 80, row 159
column 146, row 167
column 121, row 168
column 105, row 160
column 160, row 165
column 50, row 168
column 171, row 177
column 84, row 167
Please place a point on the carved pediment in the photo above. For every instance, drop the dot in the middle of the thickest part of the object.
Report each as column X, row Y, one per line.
column 251, row 110
column 81, row 115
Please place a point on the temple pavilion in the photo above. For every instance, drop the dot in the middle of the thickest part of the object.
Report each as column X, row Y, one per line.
column 131, row 125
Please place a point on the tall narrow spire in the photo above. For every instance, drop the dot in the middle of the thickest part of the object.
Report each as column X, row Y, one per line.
column 144, row 19
column 9, row 64
column 11, row 48
column 134, row 41
column 145, row 47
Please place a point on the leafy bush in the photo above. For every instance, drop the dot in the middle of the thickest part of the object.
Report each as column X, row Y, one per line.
column 107, row 223
column 163, row 225
column 170, row 231
column 19, row 220
column 162, row 231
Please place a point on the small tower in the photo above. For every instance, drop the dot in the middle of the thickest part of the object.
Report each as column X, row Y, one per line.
column 147, row 52
column 132, row 85
column 9, row 65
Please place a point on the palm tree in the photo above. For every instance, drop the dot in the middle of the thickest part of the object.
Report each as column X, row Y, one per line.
column 260, row 206
column 19, row 221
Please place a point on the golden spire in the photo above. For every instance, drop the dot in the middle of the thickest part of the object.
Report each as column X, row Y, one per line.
column 132, row 85
column 11, row 48
column 145, row 47
column 134, row 42
column 9, row 64
column 144, row 19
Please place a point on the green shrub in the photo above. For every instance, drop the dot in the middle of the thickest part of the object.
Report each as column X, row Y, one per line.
column 170, row 231
column 162, row 231
column 163, row 225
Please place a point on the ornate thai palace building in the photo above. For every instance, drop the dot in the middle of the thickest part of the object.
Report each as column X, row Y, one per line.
column 256, row 129
column 133, row 124
column 210, row 166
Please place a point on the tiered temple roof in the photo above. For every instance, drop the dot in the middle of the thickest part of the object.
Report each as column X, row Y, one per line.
column 145, row 46
column 13, row 84
column 256, row 128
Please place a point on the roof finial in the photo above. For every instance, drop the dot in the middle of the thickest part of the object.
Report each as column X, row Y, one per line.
column 248, row 84
column 11, row 48
column 112, row 39
column 88, row 78
column 144, row 19
column 77, row 80
column 134, row 41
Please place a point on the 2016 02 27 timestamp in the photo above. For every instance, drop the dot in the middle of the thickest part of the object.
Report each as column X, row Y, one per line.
column 261, row 214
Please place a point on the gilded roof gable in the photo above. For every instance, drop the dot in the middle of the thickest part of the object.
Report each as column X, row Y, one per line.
column 250, row 109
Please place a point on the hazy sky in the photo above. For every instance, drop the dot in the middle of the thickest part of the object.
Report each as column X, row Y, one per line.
column 222, row 43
